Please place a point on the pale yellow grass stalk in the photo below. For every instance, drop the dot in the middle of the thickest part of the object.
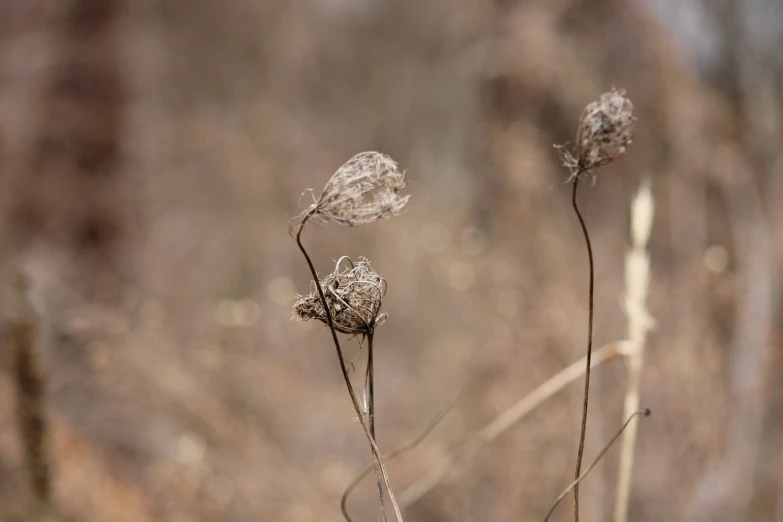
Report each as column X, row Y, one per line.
column 506, row 420
column 637, row 281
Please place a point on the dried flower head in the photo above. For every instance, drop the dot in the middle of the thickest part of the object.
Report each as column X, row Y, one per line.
column 362, row 191
column 353, row 294
column 605, row 130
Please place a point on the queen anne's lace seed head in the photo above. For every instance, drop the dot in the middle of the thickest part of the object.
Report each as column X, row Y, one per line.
column 605, row 130
column 362, row 191
column 354, row 296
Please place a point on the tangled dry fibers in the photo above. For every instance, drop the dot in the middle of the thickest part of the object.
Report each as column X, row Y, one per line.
column 362, row 191
column 354, row 296
column 606, row 129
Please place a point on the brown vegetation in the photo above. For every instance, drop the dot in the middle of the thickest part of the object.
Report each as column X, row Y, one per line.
column 152, row 161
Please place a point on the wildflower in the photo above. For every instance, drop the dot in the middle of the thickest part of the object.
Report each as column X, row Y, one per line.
column 605, row 131
column 362, row 191
column 354, row 296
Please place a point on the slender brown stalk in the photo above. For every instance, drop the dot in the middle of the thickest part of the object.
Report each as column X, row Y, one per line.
column 573, row 485
column 370, row 391
column 605, row 131
column 583, row 431
column 386, row 458
column 344, row 368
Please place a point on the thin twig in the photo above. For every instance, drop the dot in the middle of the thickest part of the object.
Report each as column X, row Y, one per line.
column 637, row 282
column 573, row 485
column 370, row 385
column 506, row 420
column 583, row 431
column 346, row 377
column 402, row 449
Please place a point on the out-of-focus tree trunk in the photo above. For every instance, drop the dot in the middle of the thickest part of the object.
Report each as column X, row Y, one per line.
column 68, row 193
column 62, row 119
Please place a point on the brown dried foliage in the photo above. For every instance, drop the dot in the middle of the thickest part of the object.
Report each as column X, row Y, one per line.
column 353, row 294
column 362, row 191
column 606, row 128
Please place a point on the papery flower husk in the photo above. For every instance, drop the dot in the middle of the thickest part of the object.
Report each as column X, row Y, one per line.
column 354, row 296
column 362, row 191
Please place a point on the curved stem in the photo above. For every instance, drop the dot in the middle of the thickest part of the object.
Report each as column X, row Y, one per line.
column 343, row 367
column 583, row 431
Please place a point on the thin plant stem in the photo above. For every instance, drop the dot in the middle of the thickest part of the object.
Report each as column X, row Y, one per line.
column 370, row 391
column 386, row 458
column 505, row 421
column 583, row 431
column 573, row 485
column 344, row 368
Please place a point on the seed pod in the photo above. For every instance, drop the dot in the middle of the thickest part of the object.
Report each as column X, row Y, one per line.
column 362, row 191
column 353, row 295
column 605, row 130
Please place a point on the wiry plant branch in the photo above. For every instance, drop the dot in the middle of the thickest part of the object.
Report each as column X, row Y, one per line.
column 370, row 391
column 583, row 430
column 605, row 131
column 399, row 451
column 646, row 412
column 344, row 369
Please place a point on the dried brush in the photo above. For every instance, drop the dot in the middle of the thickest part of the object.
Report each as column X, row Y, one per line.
column 354, row 296
column 362, row 191
column 606, row 128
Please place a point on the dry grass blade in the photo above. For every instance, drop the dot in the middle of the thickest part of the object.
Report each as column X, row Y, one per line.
column 397, row 452
column 506, row 420
column 637, row 282
column 646, row 412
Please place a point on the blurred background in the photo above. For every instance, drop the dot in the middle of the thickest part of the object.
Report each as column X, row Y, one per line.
column 152, row 154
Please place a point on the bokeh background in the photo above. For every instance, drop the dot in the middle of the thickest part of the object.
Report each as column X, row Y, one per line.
column 153, row 152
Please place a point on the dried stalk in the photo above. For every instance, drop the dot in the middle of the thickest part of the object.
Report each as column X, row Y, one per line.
column 344, row 369
column 370, row 393
column 386, row 458
column 605, row 130
column 506, row 420
column 583, row 431
column 646, row 412
column 637, row 282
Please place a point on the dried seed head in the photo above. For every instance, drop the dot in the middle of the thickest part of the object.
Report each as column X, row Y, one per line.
column 605, row 130
column 362, row 191
column 354, row 296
